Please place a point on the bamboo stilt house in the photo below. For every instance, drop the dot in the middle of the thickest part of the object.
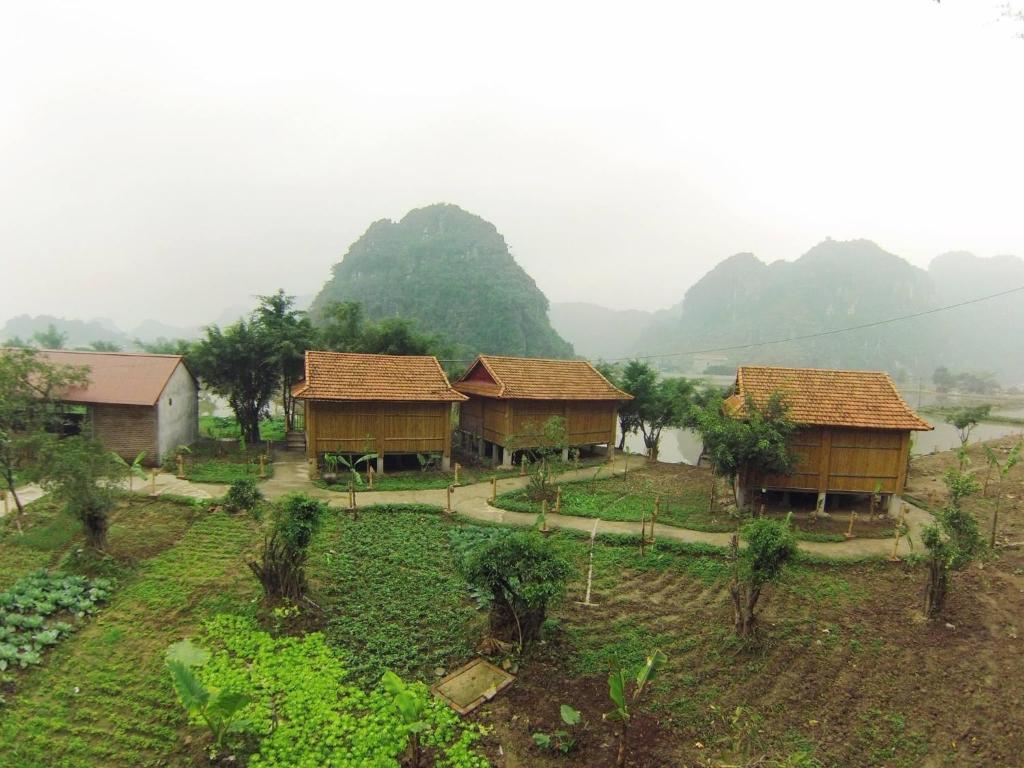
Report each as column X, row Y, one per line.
column 853, row 436
column 381, row 404
column 511, row 399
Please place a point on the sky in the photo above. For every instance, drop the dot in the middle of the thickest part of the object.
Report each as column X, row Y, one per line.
column 170, row 161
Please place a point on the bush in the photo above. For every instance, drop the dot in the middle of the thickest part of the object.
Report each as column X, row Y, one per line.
column 282, row 571
column 242, row 496
column 523, row 572
column 770, row 545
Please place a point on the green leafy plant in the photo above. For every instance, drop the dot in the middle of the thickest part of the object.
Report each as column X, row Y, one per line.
column 951, row 542
column 219, row 708
column 624, row 703
column 411, row 708
column 1003, row 469
column 134, row 469
column 281, row 570
column 243, row 496
column 523, row 572
column 770, row 544
column 428, row 461
column 563, row 740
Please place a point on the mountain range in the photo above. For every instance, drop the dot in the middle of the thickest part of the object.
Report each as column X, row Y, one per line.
column 736, row 312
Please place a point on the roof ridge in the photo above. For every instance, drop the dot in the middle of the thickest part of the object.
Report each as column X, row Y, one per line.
column 799, row 368
column 99, row 352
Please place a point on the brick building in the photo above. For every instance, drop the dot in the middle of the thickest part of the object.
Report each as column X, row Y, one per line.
column 134, row 402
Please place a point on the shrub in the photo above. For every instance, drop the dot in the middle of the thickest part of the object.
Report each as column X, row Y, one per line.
column 523, row 572
column 243, row 496
column 282, row 570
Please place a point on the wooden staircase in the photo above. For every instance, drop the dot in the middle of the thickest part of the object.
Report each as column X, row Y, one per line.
column 295, row 441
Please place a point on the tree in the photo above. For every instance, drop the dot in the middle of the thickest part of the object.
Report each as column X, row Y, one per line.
column 104, row 346
column 341, row 326
column 30, row 410
column 656, row 404
column 164, row 346
column 84, row 476
column 755, row 440
column 291, row 334
column 282, row 568
column 629, row 422
column 1003, row 469
column 51, row 338
column 524, row 573
column 240, row 363
column 623, row 703
column 964, row 420
column 770, row 544
column 344, row 328
column 951, row 542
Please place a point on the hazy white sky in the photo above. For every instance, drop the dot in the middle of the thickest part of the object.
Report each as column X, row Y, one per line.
column 169, row 160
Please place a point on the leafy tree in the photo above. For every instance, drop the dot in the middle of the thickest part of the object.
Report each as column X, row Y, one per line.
column 83, row 475
column 629, row 420
column 291, row 334
column 341, row 325
column 524, row 573
column 656, row 404
column 282, row 569
column 770, row 544
column 51, row 338
column 755, row 441
column 964, row 420
column 104, row 346
column 624, row 704
column 30, row 411
column 163, row 346
column 951, row 542
column 16, row 342
column 1003, row 469
column 344, row 328
column 240, row 363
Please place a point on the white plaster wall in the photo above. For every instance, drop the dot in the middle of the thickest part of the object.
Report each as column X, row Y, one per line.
column 177, row 413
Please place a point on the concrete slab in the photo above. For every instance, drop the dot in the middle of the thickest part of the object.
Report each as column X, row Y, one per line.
column 468, row 687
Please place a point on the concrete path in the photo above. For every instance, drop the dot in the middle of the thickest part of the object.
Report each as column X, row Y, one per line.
column 291, row 473
column 26, row 495
column 472, row 501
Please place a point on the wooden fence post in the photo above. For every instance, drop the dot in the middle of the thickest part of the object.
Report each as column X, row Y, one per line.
column 849, row 531
column 448, row 499
column 494, row 489
column 263, row 465
column 152, row 481
column 522, row 465
column 181, row 467
column 457, row 468
column 370, row 472
column 3, row 495
column 558, row 499
column 544, row 516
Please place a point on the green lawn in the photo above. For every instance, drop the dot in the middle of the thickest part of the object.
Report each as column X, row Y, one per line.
column 226, row 426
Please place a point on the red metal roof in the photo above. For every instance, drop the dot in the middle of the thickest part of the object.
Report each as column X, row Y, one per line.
column 353, row 376
column 116, row 378
column 826, row 397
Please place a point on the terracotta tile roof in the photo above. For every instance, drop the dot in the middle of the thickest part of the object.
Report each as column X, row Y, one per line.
column 116, row 378
column 827, row 397
column 531, row 378
column 352, row 376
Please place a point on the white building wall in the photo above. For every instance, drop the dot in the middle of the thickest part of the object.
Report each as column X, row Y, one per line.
column 177, row 413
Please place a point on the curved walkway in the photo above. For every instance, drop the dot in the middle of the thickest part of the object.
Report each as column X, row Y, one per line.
column 471, row 501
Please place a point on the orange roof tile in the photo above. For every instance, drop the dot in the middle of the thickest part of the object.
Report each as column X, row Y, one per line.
column 116, row 378
column 529, row 378
column 827, row 397
column 353, row 376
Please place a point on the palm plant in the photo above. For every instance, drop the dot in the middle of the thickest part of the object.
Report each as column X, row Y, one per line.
column 134, row 469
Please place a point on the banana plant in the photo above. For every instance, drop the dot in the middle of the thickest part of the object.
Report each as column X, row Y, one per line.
column 353, row 465
column 134, row 469
column 220, row 709
column 411, row 708
column 624, row 703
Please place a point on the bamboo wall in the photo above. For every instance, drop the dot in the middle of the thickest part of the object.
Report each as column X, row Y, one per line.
column 520, row 423
column 844, row 461
column 377, row 427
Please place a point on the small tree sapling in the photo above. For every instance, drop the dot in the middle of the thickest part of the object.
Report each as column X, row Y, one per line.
column 624, row 703
column 770, row 544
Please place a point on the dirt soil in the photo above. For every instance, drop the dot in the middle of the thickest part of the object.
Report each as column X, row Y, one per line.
column 846, row 671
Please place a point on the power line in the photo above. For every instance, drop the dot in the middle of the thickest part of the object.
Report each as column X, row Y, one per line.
column 819, row 334
column 805, row 336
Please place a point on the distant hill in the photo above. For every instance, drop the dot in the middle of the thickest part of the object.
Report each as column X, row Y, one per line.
column 452, row 274
column 597, row 332
column 744, row 301
column 82, row 333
